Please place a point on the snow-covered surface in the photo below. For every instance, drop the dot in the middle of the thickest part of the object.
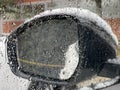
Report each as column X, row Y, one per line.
column 101, row 84
column 72, row 60
column 107, row 83
column 8, row 81
column 114, row 61
column 86, row 88
column 80, row 13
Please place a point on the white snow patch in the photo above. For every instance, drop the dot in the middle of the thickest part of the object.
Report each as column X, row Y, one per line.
column 101, row 84
column 86, row 88
column 71, row 61
column 8, row 81
column 80, row 13
column 107, row 83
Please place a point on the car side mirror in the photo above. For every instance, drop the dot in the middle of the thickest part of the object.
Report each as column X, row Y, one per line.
column 59, row 48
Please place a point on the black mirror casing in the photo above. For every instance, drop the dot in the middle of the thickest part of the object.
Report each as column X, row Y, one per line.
column 94, row 49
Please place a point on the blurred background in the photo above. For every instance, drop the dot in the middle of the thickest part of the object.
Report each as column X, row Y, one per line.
column 15, row 12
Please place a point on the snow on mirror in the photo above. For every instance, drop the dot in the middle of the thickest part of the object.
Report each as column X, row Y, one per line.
column 58, row 48
column 49, row 48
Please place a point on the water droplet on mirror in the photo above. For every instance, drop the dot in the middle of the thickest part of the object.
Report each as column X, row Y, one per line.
column 10, row 63
column 63, row 50
column 19, row 68
column 30, row 79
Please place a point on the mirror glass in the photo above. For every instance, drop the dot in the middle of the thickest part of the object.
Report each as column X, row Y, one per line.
column 49, row 48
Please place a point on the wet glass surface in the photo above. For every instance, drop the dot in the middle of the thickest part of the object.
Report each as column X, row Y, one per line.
column 19, row 10
column 42, row 48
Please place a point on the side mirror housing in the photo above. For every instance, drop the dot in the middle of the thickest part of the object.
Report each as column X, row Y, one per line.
column 61, row 47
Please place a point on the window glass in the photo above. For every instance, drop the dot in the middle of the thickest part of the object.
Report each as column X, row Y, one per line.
column 15, row 12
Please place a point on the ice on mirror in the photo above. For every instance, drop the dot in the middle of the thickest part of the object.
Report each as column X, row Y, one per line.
column 71, row 61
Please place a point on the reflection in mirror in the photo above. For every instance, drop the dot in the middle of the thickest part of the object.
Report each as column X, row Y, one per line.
column 49, row 49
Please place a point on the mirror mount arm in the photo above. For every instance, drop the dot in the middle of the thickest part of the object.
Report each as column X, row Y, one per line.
column 111, row 68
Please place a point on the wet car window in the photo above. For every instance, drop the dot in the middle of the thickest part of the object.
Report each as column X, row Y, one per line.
column 13, row 13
